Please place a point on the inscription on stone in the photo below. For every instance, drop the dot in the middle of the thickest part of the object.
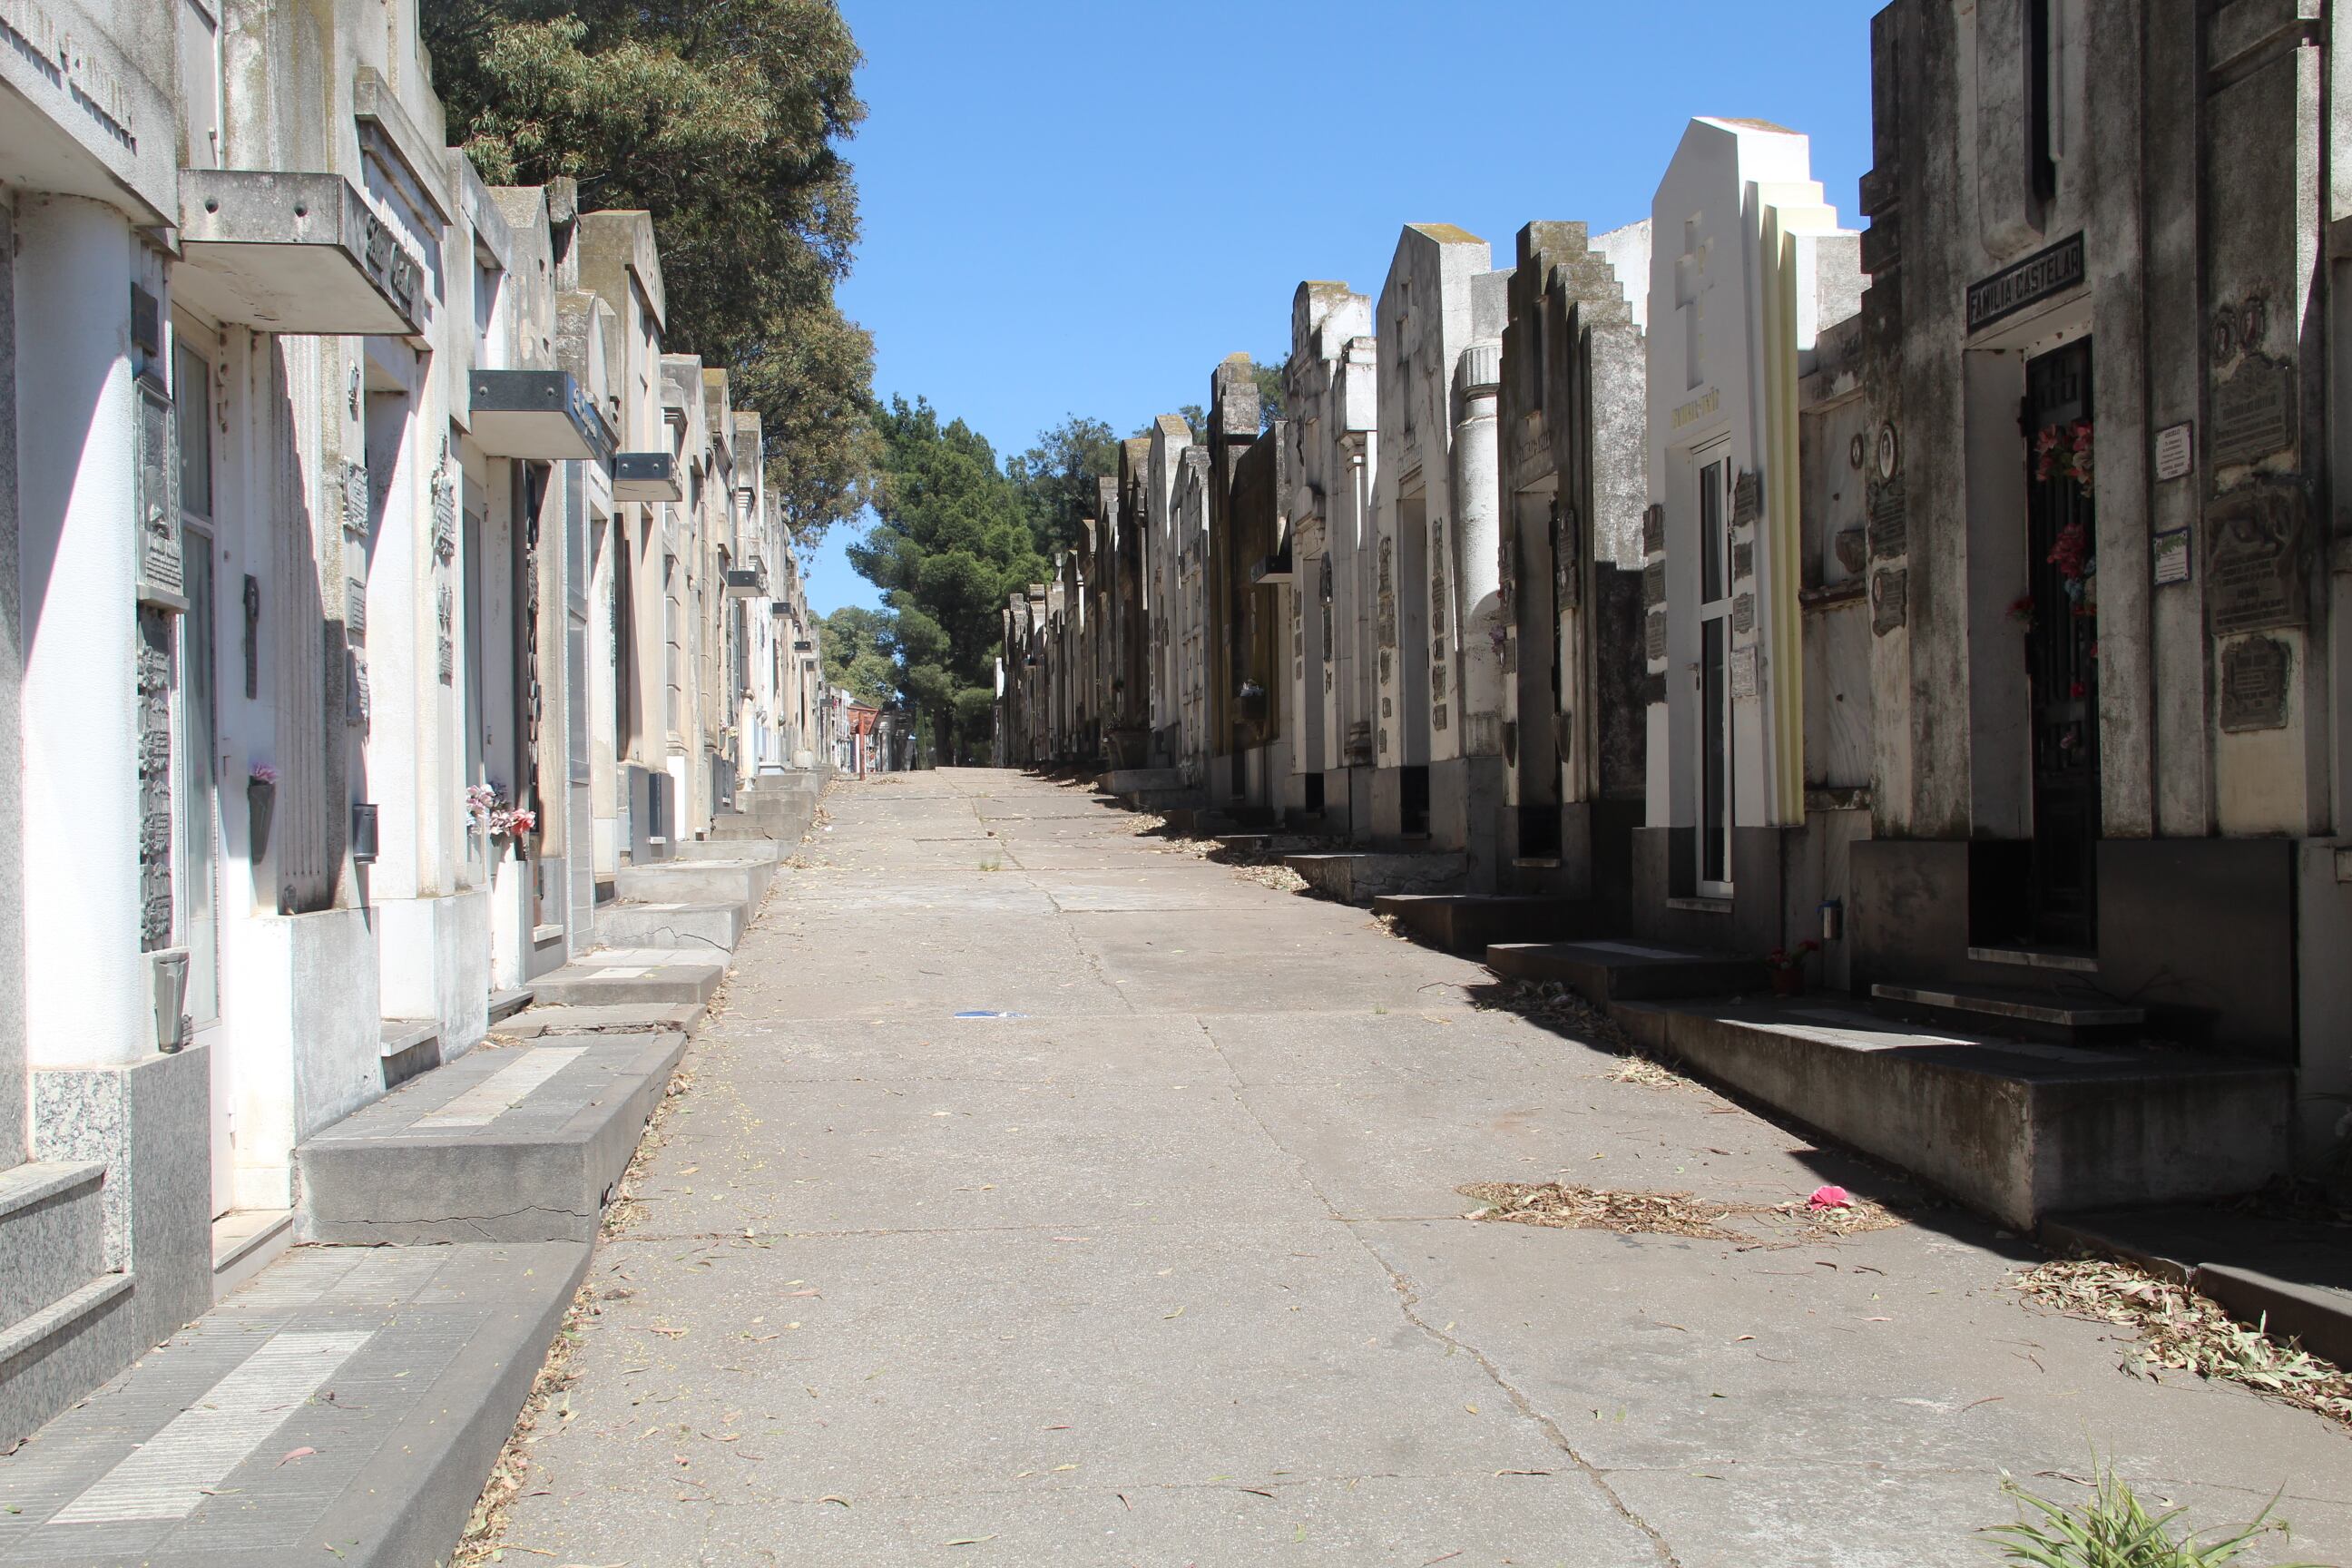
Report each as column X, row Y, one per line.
column 1654, row 530
column 1743, row 559
column 1746, row 499
column 446, row 616
column 161, row 575
column 2169, row 556
column 1890, row 519
column 1654, row 635
column 1743, row 675
column 2254, row 685
column 2044, row 273
column 1743, row 612
column 1890, row 600
column 1653, row 584
column 2253, row 411
column 154, row 678
column 2176, row 450
column 355, row 500
column 2253, row 560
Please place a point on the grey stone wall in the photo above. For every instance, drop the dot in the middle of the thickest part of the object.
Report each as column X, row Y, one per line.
column 12, row 816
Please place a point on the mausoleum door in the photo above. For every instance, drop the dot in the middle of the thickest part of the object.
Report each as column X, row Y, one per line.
column 1713, row 509
column 1536, row 545
column 2061, row 643
column 197, row 720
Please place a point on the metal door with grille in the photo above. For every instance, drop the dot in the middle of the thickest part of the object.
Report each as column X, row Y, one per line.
column 2060, row 648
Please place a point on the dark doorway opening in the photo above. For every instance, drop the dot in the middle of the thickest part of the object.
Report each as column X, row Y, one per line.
column 2061, row 644
column 1313, row 803
column 1413, row 800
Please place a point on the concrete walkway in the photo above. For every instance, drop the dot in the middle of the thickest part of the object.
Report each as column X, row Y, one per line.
column 1168, row 1266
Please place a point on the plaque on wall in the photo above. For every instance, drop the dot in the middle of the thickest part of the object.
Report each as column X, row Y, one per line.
column 1746, row 499
column 1653, row 584
column 1743, row 675
column 445, row 615
column 2176, row 450
column 2169, row 556
column 162, row 579
column 1654, row 635
column 355, row 608
column 1654, row 530
column 355, row 500
column 2254, row 685
column 1743, row 560
column 1890, row 519
column 2040, row 276
column 2253, row 560
column 1890, row 600
column 355, row 687
column 153, row 676
column 2253, row 411
column 1743, row 612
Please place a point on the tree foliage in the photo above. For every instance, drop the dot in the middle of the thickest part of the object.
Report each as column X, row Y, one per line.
column 857, row 645
column 1055, row 480
column 952, row 542
column 724, row 119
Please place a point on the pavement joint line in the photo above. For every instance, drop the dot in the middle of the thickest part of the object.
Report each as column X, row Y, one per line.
column 1408, row 1302
column 503, row 1089
column 169, row 1475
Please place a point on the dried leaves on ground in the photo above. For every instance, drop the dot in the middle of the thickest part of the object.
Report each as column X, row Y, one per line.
column 1561, row 1206
column 1554, row 1004
column 2181, row 1330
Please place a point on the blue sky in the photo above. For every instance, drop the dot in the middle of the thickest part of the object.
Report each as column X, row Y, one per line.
column 1082, row 208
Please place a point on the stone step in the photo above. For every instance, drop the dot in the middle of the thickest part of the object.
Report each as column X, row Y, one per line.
column 1164, row 801
column 247, row 1241
column 1129, row 780
column 516, row 1144
column 65, row 1319
column 505, row 1004
column 52, row 1356
column 713, row 927
column 2029, row 1014
column 2017, row 1129
column 2291, row 1275
column 182, row 1461
column 1472, row 922
column 629, row 1018
column 750, row 849
column 1604, row 972
column 735, row 881
column 1359, row 878
column 642, row 975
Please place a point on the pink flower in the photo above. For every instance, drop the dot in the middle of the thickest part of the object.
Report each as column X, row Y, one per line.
column 1830, row 1198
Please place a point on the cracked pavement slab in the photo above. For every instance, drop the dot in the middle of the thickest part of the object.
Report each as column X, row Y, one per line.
column 1170, row 1270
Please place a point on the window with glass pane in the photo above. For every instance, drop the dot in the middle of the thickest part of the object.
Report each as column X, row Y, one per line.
column 192, row 400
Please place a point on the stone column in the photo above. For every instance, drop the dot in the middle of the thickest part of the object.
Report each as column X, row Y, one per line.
column 1477, row 502
column 76, row 446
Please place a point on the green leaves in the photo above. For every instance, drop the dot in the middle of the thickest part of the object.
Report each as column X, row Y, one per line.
column 2113, row 1529
column 722, row 118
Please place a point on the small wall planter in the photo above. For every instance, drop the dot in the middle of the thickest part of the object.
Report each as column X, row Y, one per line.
column 260, row 806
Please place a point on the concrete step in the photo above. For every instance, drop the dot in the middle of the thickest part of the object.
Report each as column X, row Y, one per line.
column 1357, row 877
column 516, row 1144
column 2292, row 1276
column 735, row 881
column 1630, row 971
column 752, row 849
column 2017, row 1129
column 713, row 927
column 1130, row 781
column 2028, row 1014
column 505, row 1004
column 1472, row 922
column 632, row 1018
column 1164, row 800
column 226, row 1448
column 246, row 1242
column 51, row 1357
column 52, row 1233
column 634, row 976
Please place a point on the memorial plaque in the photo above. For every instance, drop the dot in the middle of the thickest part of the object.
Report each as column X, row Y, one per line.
column 1890, row 519
column 1890, row 600
column 2170, row 556
column 2253, row 560
column 1743, row 612
column 1743, row 675
column 355, row 500
column 2254, row 685
column 153, row 676
column 1654, row 530
column 1852, row 549
column 2176, row 451
column 161, row 578
column 1654, row 635
column 2253, row 412
column 1653, row 584
column 1743, row 560
column 1746, row 499
column 356, row 704
column 445, row 616
column 2040, row 276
